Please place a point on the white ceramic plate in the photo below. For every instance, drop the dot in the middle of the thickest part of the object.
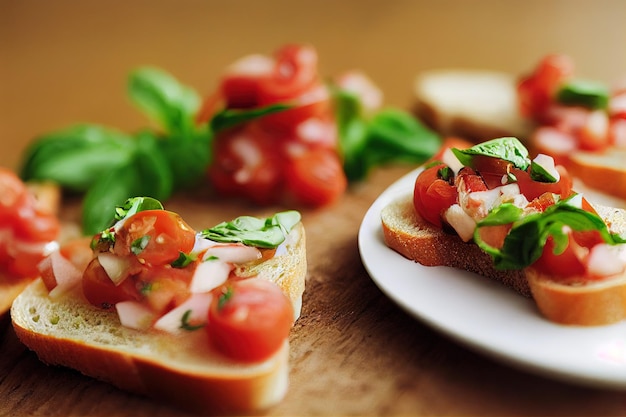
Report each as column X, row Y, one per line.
column 488, row 317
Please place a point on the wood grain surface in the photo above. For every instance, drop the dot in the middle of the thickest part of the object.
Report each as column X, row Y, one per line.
column 353, row 351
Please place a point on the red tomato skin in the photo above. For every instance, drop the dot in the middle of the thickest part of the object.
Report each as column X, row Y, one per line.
column 253, row 324
column 168, row 235
column 29, row 227
column 536, row 90
column 572, row 262
column 294, row 74
column 432, row 195
column 248, row 164
column 101, row 292
column 315, row 177
column 533, row 189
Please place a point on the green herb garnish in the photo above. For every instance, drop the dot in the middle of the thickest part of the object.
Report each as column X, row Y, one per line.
column 253, row 231
column 509, row 149
column 525, row 241
column 185, row 322
column 110, row 166
column 138, row 245
column 225, row 296
column 228, row 118
column 388, row 136
column 136, row 204
column 183, row 260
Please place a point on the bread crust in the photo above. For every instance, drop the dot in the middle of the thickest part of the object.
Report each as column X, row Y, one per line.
column 181, row 370
column 590, row 304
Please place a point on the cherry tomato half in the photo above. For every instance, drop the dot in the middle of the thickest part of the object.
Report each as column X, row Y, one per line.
column 156, row 237
column 249, row 320
column 433, row 195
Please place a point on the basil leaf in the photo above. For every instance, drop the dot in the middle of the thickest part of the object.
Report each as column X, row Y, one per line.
column 396, row 136
column 136, row 204
column 228, row 118
column 164, row 99
column 508, row 148
column 253, row 231
column 586, row 93
column 352, row 130
column 389, row 136
column 525, row 241
column 77, row 156
column 112, row 189
column 153, row 166
column 187, row 156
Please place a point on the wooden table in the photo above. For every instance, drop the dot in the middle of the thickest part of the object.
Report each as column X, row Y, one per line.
column 354, row 352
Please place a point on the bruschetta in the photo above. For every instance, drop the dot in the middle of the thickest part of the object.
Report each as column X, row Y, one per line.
column 491, row 210
column 29, row 230
column 581, row 123
column 196, row 319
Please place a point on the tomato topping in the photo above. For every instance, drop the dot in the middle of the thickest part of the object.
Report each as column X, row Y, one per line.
column 102, row 292
column 316, row 177
column 572, row 262
column 294, row 74
column 155, row 237
column 536, row 90
column 533, row 189
column 256, row 160
column 433, row 195
column 248, row 163
column 249, row 320
column 29, row 227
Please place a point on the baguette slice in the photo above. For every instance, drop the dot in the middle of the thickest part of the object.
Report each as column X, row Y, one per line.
column 184, row 371
column 585, row 304
column 474, row 104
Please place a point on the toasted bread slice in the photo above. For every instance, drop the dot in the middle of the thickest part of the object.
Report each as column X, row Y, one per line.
column 586, row 304
column 474, row 104
column 604, row 171
column 184, row 370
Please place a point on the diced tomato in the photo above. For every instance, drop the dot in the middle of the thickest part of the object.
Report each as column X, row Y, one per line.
column 100, row 290
column 315, row 177
column 156, row 237
column 249, row 320
column 433, row 195
column 533, row 189
column 248, row 163
column 25, row 227
column 572, row 262
column 294, row 74
column 494, row 235
column 536, row 90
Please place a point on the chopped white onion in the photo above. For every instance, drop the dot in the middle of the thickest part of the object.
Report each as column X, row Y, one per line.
column 198, row 306
column 209, row 275
column 450, row 159
column 605, row 260
column 460, row 221
column 134, row 315
column 114, row 266
column 65, row 273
